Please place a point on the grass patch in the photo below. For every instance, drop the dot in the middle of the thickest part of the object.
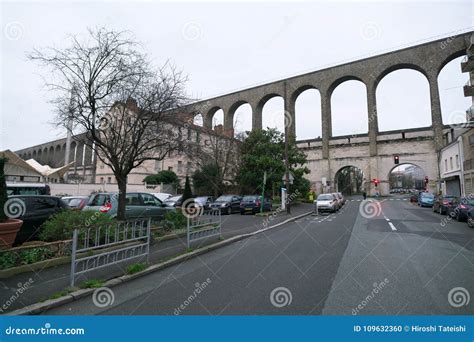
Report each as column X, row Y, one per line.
column 135, row 268
column 61, row 293
column 92, row 284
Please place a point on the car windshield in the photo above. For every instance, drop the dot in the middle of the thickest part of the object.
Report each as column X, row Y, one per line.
column 173, row 199
column 249, row 198
column 75, row 202
column 224, row 198
column 325, row 197
column 99, row 200
column 427, row 195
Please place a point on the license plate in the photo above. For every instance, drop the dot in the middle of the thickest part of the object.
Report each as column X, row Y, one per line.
column 248, row 209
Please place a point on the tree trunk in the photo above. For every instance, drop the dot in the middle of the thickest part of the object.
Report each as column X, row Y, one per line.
column 122, row 185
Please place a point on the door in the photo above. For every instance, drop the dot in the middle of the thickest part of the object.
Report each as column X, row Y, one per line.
column 153, row 207
column 133, row 206
column 235, row 203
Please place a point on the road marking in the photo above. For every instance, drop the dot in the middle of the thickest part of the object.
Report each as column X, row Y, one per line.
column 392, row 226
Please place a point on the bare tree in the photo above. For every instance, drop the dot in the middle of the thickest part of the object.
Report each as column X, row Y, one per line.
column 106, row 88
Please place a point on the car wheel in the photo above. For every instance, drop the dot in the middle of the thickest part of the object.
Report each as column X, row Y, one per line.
column 229, row 211
column 458, row 217
column 470, row 222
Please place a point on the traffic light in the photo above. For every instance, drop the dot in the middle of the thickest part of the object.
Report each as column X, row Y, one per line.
column 426, row 180
column 376, row 182
column 396, row 159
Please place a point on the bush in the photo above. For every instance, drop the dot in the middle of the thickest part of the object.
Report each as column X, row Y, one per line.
column 33, row 255
column 174, row 220
column 61, row 225
column 8, row 259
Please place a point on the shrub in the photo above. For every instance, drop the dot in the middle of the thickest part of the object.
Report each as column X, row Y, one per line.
column 174, row 220
column 33, row 255
column 61, row 225
column 7, row 260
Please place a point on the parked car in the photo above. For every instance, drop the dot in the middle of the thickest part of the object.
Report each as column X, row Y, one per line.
column 470, row 218
column 23, row 188
column 36, row 210
column 204, row 201
column 414, row 197
column 253, row 203
column 174, row 201
column 76, row 202
column 326, row 202
column 227, row 203
column 426, row 199
column 138, row 205
column 442, row 204
column 162, row 196
column 460, row 208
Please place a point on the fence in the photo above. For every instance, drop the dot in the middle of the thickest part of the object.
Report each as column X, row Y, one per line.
column 205, row 224
column 115, row 243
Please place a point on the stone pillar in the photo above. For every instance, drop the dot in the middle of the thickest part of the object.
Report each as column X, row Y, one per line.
column 436, row 118
column 257, row 117
column 228, row 123
column 207, row 120
column 326, row 122
column 373, row 121
column 290, row 116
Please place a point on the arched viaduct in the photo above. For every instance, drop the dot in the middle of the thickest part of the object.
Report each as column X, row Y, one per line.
column 372, row 152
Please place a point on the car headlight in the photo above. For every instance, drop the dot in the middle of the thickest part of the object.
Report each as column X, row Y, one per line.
column 223, row 205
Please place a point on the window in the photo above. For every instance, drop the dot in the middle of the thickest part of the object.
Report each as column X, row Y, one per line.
column 445, row 165
column 132, row 199
column 471, row 139
column 170, row 168
column 109, row 180
column 457, row 160
column 188, row 166
column 157, row 165
column 180, row 166
column 451, row 163
column 150, row 200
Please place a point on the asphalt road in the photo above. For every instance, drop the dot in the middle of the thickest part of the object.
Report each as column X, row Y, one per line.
column 395, row 259
column 49, row 281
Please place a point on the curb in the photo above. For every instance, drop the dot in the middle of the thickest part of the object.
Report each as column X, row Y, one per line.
column 38, row 308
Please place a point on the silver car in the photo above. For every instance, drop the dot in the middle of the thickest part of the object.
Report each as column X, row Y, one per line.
column 327, row 203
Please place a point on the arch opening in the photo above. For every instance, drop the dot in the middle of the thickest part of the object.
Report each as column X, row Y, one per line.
column 308, row 115
column 349, row 114
column 242, row 119
column 273, row 113
column 198, row 120
column 406, row 178
column 349, row 180
column 403, row 100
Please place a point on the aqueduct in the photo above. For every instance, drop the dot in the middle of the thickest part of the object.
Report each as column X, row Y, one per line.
column 372, row 152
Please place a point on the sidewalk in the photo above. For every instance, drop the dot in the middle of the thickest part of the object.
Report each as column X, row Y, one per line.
column 52, row 280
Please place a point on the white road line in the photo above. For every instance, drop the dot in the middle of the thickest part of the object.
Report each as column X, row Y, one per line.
column 392, row 226
column 388, row 220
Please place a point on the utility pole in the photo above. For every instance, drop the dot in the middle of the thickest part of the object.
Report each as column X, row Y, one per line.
column 287, row 166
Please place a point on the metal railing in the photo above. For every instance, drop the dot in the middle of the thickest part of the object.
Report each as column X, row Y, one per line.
column 206, row 224
column 112, row 243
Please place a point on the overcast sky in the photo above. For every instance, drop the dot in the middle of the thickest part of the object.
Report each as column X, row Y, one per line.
column 226, row 46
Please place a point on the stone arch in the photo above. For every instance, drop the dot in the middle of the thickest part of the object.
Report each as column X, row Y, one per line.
column 350, row 179
column 399, row 66
column 208, row 118
column 394, row 113
column 275, row 104
column 341, row 80
column 233, row 122
column 349, row 107
column 34, row 154
column 407, row 164
column 448, row 59
column 306, row 105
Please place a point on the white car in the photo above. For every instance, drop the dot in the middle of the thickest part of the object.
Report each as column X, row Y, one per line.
column 327, row 202
column 162, row 196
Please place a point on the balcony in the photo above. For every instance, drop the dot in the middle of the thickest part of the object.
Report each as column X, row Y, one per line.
column 467, row 64
column 468, row 89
